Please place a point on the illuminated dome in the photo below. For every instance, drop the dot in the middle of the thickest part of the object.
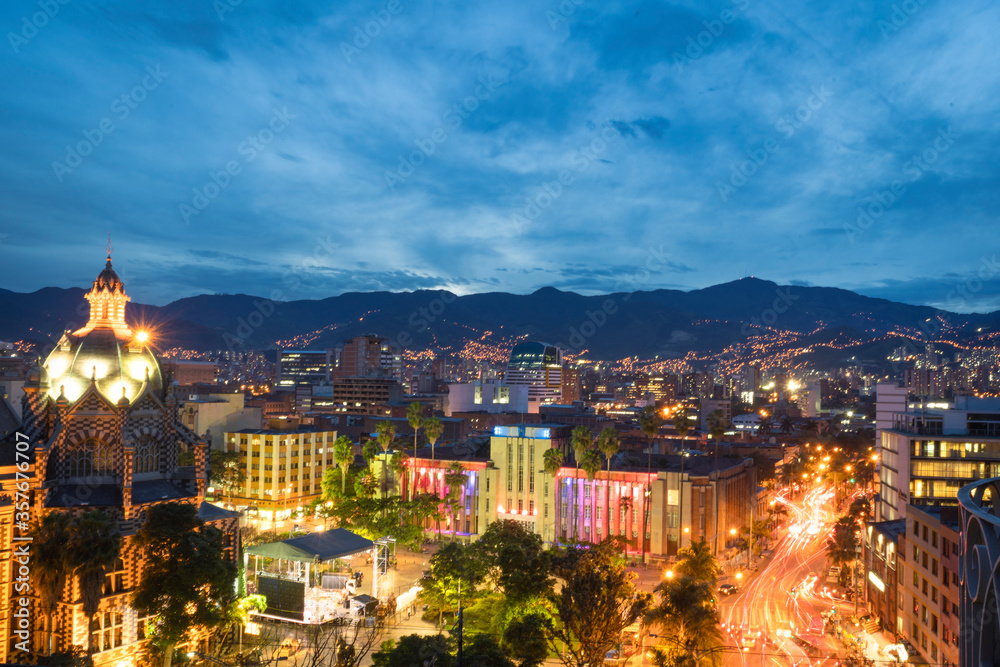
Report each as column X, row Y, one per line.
column 104, row 351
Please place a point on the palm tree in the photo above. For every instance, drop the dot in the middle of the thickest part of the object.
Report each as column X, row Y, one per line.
column 581, row 440
column 765, row 425
column 433, row 428
column 385, row 434
column 397, row 464
column 696, row 561
column 786, row 424
column 415, row 415
column 343, row 449
column 609, row 443
column 717, row 425
column 650, row 422
column 93, row 546
column 590, row 462
column 553, row 460
column 454, row 479
column 48, row 558
column 682, row 426
column 689, row 623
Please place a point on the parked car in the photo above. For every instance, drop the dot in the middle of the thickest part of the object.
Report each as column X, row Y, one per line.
column 728, row 589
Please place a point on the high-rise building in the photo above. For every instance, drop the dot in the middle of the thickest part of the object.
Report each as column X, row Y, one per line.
column 930, row 450
column 369, row 356
column 539, row 366
column 303, row 367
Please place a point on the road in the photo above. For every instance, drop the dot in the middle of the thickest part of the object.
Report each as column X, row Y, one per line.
column 787, row 596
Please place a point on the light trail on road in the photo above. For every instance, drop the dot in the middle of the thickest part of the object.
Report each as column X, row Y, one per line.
column 785, row 599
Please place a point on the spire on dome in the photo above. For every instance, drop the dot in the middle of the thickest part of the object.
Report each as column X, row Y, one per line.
column 107, row 302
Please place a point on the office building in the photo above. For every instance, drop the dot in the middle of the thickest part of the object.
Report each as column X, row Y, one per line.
column 284, row 469
column 490, row 396
column 369, row 356
column 930, row 450
column 929, row 590
column 539, row 367
column 303, row 367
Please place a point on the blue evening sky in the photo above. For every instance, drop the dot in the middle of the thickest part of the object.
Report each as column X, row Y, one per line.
column 501, row 146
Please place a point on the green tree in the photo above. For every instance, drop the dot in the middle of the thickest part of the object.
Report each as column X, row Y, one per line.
column 397, row 464
column 433, row 428
column 343, row 450
column 515, row 561
column 697, row 562
column 187, row 580
column 369, row 451
column 484, row 651
column 552, row 461
column 524, row 640
column 688, row 622
column 227, row 473
column 415, row 415
column 843, row 544
column 455, row 573
column 92, row 547
column 415, row 651
column 386, row 433
column 609, row 442
column 581, row 439
column 597, row 602
column 590, row 462
column 454, row 481
column 650, row 422
column 48, row 559
column 717, row 425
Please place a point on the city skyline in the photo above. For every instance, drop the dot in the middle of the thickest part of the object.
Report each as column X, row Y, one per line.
column 857, row 161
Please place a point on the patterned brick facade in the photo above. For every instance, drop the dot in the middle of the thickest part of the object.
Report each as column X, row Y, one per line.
column 98, row 450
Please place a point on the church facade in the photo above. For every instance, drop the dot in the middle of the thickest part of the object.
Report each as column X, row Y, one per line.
column 99, row 430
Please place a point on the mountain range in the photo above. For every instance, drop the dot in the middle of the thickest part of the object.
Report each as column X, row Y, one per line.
column 819, row 324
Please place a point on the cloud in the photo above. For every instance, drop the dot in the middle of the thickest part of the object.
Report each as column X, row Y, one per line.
column 755, row 151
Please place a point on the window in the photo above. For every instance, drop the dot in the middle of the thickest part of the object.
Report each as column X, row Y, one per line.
column 91, row 459
column 106, row 631
column 934, row 624
column 934, row 567
column 916, row 580
column 114, row 581
column 934, row 539
column 923, row 586
column 933, row 593
column 146, row 455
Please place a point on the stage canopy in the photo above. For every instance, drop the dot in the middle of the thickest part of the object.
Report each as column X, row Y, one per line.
column 324, row 546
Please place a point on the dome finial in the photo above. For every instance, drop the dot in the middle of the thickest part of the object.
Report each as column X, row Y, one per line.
column 93, row 374
column 109, row 248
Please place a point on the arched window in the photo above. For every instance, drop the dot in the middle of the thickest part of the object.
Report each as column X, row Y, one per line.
column 91, row 459
column 146, row 456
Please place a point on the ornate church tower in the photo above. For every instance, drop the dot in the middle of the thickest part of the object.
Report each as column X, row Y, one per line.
column 104, row 433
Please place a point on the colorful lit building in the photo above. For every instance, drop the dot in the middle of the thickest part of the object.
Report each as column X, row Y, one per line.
column 569, row 507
